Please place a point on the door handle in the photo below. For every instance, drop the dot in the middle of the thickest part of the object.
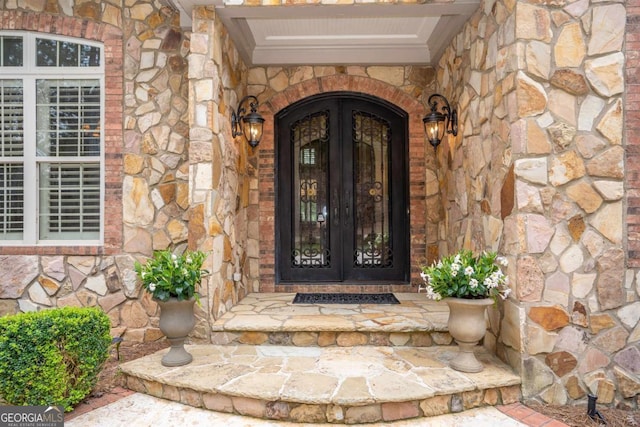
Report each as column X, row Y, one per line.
column 346, row 207
column 336, row 208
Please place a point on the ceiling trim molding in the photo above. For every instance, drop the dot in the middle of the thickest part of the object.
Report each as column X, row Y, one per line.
column 365, row 45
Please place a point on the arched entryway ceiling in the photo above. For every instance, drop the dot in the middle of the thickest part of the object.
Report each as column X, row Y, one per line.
column 337, row 83
column 364, row 34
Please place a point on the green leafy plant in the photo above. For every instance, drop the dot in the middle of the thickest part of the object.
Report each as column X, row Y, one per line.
column 169, row 275
column 52, row 357
column 464, row 275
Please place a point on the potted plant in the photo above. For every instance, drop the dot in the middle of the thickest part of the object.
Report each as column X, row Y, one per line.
column 172, row 280
column 468, row 284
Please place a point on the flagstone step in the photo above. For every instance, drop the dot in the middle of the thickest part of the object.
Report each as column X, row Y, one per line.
column 272, row 319
column 367, row 384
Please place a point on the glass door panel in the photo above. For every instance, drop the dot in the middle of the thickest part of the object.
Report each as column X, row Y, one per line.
column 310, row 237
column 371, row 136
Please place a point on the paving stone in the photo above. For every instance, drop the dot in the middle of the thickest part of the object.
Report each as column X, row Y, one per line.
column 472, row 399
column 399, row 410
column 277, row 410
column 191, row 397
column 350, row 339
column 254, row 338
column 217, row 402
column 252, row 407
column 305, row 338
column 363, row 414
column 436, row 405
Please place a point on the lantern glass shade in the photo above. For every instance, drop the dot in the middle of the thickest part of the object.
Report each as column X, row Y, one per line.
column 249, row 125
column 434, row 127
column 252, row 128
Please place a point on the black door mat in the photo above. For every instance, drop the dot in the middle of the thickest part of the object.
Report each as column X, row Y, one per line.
column 325, row 298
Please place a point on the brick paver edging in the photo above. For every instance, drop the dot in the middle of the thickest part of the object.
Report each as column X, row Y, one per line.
column 528, row 416
column 516, row 411
column 92, row 403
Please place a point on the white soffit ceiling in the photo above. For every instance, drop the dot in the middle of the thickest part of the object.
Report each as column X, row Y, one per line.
column 366, row 34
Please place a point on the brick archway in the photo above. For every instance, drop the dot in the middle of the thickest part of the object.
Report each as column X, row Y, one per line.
column 266, row 161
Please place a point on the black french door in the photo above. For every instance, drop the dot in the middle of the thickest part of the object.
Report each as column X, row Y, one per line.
column 342, row 191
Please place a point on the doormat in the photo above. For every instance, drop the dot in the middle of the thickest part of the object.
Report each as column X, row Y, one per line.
column 325, row 298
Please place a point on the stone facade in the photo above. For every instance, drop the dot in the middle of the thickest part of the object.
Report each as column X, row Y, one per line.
column 542, row 170
column 537, row 173
column 223, row 176
column 146, row 163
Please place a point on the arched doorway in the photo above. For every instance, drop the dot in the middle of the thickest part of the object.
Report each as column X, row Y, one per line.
column 342, row 191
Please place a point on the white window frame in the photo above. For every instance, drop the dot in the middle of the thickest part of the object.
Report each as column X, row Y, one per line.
column 29, row 73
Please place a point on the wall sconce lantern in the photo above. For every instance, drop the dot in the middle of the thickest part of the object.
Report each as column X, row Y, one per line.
column 437, row 123
column 249, row 125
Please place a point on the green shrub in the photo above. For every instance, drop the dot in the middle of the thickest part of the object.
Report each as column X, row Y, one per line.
column 52, row 357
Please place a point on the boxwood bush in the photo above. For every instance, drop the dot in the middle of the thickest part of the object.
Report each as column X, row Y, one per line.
column 52, row 357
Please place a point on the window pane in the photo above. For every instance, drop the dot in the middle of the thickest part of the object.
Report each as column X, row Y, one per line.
column 12, row 49
column 11, row 118
column 46, row 53
column 69, row 201
column 68, row 117
column 52, row 53
column 68, row 54
column 90, row 56
column 11, row 201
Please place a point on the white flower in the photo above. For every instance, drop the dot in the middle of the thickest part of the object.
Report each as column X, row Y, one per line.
column 456, row 259
column 468, row 271
column 433, row 295
column 454, row 273
column 439, row 265
column 455, row 266
column 505, row 293
column 425, row 277
column 152, row 287
column 473, row 283
column 502, row 261
column 189, row 260
column 496, row 278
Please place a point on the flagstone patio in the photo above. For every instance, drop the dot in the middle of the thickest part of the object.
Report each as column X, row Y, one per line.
column 272, row 319
column 328, row 363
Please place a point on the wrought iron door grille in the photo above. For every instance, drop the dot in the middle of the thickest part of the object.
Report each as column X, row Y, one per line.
column 310, row 237
column 371, row 142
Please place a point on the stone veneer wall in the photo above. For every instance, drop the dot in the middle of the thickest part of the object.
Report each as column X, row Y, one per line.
column 538, row 174
column 223, row 170
column 146, row 178
column 278, row 87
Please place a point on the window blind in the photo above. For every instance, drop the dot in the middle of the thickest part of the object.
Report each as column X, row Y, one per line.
column 70, row 196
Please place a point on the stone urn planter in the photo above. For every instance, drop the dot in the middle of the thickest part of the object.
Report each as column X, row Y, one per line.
column 176, row 322
column 172, row 280
column 467, row 326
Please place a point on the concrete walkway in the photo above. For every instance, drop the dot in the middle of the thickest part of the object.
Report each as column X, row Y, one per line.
column 141, row 410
